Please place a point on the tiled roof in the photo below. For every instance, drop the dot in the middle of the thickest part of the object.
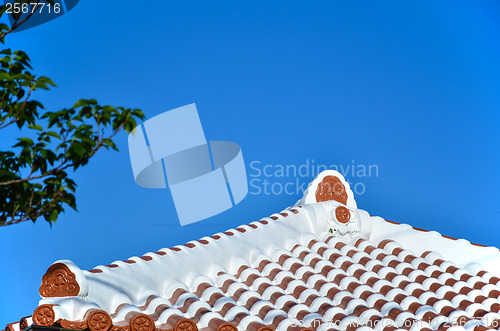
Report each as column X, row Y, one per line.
column 316, row 266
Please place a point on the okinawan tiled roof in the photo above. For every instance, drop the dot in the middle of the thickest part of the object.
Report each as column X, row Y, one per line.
column 320, row 265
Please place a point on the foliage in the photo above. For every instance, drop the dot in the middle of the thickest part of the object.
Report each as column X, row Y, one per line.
column 35, row 175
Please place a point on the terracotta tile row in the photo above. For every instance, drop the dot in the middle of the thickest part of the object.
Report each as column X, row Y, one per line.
column 240, row 229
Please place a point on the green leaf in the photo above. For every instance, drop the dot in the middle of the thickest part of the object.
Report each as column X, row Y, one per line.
column 24, row 142
column 36, row 127
column 53, row 134
column 53, row 215
column 78, row 148
column 5, row 76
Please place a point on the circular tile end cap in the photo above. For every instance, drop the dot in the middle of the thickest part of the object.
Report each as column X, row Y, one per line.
column 99, row 320
column 142, row 322
column 227, row 327
column 342, row 214
column 44, row 315
column 185, row 325
column 23, row 323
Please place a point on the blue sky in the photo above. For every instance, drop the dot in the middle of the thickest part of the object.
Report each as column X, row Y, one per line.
column 410, row 87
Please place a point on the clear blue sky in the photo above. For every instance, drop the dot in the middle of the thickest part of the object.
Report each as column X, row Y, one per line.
column 411, row 87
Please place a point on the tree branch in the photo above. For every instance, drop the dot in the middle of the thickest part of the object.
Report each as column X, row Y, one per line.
column 62, row 166
column 12, row 121
column 18, row 23
column 46, row 174
column 28, row 215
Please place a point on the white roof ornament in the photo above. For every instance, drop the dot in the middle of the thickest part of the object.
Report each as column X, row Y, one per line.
column 332, row 191
column 327, row 186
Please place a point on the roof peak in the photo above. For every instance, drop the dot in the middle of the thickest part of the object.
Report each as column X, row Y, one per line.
column 329, row 185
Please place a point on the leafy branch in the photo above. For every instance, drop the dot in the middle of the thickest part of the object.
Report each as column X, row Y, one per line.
column 5, row 29
column 34, row 179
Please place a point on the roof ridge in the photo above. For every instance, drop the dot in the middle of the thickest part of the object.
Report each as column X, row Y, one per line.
column 442, row 235
column 191, row 244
